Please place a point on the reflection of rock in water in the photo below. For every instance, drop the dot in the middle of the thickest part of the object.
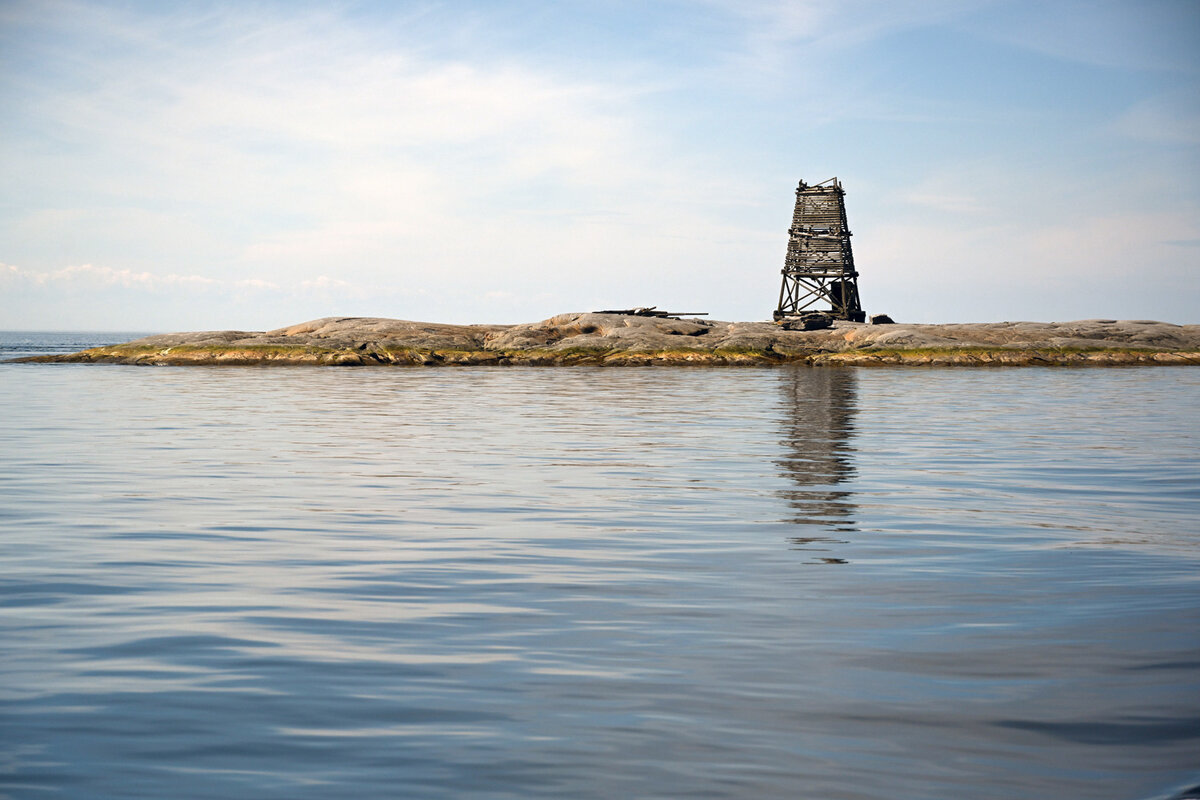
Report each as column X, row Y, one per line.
column 817, row 430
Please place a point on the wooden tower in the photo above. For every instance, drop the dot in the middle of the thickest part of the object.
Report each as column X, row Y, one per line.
column 819, row 267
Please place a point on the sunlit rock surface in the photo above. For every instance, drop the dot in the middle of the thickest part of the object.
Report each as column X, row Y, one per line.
column 616, row 339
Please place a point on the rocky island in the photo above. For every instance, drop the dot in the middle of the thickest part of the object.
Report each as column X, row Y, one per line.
column 615, row 339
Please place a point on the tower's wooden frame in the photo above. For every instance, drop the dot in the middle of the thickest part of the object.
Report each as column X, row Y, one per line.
column 819, row 266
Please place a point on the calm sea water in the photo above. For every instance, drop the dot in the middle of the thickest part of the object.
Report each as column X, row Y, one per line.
column 598, row 583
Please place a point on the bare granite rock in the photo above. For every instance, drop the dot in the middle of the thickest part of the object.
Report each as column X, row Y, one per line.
column 616, row 339
column 354, row 331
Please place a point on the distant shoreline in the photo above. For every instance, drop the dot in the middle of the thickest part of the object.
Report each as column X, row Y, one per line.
column 625, row 340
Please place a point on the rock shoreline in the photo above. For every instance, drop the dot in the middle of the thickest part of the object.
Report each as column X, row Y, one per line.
column 623, row 340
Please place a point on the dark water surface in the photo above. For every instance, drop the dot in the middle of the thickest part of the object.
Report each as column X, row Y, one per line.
column 599, row 583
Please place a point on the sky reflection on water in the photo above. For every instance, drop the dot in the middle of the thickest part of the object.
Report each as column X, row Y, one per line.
column 589, row 582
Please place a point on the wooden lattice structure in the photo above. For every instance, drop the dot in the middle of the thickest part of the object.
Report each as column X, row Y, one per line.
column 819, row 267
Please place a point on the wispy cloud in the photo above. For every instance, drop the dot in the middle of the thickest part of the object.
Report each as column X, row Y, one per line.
column 477, row 157
column 277, row 146
column 840, row 23
column 325, row 282
column 1165, row 119
column 806, row 37
column 83, row 276
column 1145, row 35
column 89, row 274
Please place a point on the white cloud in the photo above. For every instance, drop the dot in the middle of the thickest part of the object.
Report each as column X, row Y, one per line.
column 83, row 276
column 292, row 155
column 325, row 282
column 255, row 283
column 91, row 275
column 292, row 145
column 1033, row 270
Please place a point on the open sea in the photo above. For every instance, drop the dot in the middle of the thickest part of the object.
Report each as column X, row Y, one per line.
column 836, row 584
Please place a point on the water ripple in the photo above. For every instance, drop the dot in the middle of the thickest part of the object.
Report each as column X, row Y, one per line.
column 513, row 583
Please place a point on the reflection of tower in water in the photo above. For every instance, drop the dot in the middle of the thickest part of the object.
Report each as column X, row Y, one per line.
column 818, row 426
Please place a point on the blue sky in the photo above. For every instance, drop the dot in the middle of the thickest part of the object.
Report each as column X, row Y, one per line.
column 250, row 165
